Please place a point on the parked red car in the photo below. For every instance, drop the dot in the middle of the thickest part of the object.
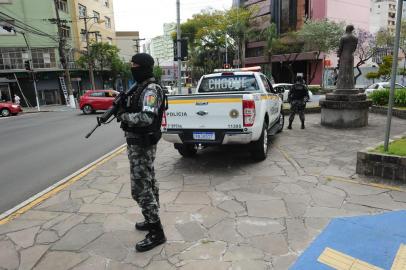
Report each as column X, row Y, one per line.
column 94, row 100
column 8, row 108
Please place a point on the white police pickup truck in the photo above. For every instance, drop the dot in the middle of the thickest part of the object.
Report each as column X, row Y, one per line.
column 228, row 107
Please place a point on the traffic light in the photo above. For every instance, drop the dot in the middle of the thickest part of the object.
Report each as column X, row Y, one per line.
column 27, row 65
column 183, row 51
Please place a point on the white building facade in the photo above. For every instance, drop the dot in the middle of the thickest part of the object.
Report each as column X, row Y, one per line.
column 161, row 47
column 383, row 15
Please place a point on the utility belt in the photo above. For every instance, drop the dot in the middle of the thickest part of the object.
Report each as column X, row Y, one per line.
column 146, row 139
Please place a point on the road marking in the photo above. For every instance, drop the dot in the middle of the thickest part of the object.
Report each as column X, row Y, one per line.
column 400, row 260
column 341, row 261
column 57, row 187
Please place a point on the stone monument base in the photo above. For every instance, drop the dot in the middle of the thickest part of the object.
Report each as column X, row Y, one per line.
column 345, row 109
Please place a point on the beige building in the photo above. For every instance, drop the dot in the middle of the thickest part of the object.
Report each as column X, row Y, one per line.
column 129, row 44
column 96, row 17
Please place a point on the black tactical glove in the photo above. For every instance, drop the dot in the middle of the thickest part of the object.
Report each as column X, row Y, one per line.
column 120, row 112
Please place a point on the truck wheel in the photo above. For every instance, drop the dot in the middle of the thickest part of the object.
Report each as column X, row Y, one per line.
column 281, row 122
column 186, row 150
column 259, row 148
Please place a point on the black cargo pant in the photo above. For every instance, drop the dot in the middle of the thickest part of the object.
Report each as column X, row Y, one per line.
column 297, row 106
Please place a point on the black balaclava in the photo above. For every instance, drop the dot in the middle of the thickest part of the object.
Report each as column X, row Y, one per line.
column 144, row 71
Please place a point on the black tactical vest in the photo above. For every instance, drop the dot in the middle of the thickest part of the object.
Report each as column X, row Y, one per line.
column 150, row 134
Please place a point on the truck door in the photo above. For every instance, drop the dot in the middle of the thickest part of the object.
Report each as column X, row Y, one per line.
column 272, row 100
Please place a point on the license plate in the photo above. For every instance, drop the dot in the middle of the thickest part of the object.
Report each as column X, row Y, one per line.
column 209, row 136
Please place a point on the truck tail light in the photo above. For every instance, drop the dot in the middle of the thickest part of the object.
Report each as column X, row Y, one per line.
column 164, row 123
column 248, row 108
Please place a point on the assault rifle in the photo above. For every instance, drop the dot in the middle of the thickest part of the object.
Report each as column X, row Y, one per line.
column 117, row 103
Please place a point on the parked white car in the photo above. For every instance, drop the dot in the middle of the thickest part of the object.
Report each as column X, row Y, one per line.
column 284, row 89
column 169, row 90
column 380, row 86
column 228, row 107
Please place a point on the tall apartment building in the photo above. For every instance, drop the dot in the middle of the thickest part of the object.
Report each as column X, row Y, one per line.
column 99, row 17
column 383, row 15
column 290, row 15
column 287, row 15
column 31, row 19
column 161, row 47
column 129, row 44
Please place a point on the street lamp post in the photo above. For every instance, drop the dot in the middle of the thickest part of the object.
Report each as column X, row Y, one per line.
column 394, row 73
column 179, row 46
column 32, row 70
column 90, row 62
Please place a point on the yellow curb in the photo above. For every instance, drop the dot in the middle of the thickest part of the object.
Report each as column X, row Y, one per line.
column 62, row 186
column 400, row 260
column 341, row 261
column 376, row 185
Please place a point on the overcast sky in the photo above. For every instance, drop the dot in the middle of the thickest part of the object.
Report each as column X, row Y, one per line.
column 148, row 16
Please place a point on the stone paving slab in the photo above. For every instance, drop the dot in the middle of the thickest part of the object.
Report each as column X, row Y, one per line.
column 220, row 210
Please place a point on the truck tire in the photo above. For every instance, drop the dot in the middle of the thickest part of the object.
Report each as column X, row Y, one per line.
column 259, row 149
column 186, row 150
column 281, row 122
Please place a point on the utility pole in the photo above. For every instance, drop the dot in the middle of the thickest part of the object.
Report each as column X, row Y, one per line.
column 62, row 56
column 91, row 75
column 394, row 72
column 179, row 40
column 137, row 43
column 32, row 70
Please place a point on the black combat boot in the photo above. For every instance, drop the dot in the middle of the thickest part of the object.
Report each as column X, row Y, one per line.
column 303, row 125
column 155, row 237
column 290, row 125
column 142, row 226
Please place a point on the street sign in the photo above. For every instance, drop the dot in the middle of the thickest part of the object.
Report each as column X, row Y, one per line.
column 363, row 243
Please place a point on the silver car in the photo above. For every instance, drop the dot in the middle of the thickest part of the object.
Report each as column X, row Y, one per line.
column 380, row 86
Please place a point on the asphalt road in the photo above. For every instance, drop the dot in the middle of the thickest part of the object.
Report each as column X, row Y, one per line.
column 39, row 149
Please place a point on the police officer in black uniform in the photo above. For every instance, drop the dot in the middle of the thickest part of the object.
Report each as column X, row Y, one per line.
column 298, row 96
column 141, row 118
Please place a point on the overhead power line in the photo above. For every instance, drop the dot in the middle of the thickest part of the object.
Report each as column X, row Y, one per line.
column 23, row 26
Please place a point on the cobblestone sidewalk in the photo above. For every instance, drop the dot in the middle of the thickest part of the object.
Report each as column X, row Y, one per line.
column 220, row 210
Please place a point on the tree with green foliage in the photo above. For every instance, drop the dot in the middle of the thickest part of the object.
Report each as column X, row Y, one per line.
column 105, row 59
column 372, row 76
column 320, row 36
column 158, row 73
column 208, row 33
column 384, row 71
column 240, row 28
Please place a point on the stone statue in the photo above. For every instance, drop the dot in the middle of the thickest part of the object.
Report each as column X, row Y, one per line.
column 348, row 45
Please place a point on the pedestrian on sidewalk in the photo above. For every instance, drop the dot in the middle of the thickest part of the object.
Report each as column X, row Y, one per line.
column 298, row 96
column 16, row 99
column 141, row 118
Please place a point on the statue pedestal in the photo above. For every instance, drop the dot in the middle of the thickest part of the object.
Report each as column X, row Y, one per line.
column 345, row 108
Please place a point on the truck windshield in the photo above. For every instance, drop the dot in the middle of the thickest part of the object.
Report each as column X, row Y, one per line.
column 229, row 84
